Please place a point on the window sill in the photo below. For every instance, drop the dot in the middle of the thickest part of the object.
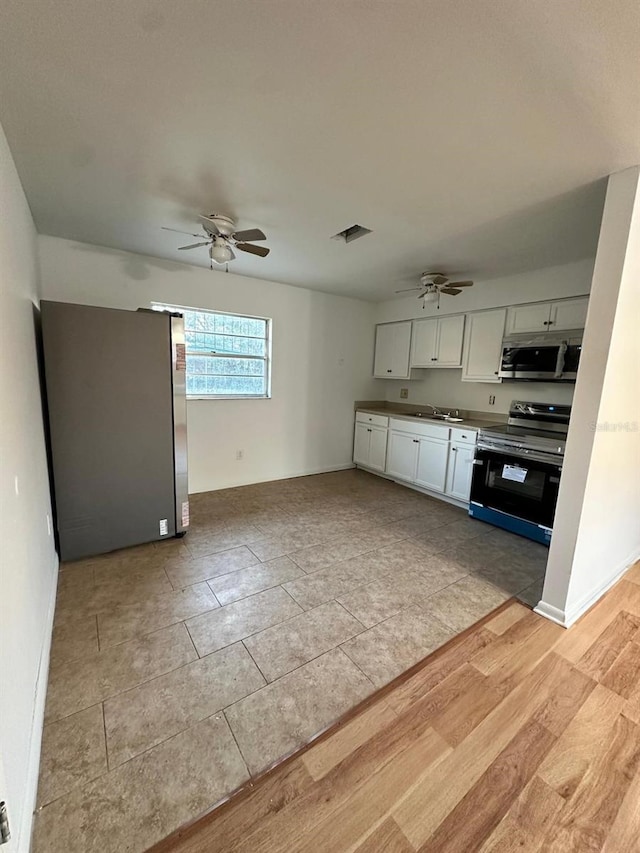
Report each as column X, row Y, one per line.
column 230, row 397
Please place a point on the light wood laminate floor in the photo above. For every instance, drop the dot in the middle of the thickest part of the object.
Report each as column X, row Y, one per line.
column 217, row 655
column 517, row 736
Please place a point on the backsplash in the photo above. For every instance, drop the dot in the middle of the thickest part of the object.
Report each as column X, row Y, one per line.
column 445, row 387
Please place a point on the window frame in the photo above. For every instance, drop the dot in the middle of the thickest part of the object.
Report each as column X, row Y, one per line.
column 165, row 306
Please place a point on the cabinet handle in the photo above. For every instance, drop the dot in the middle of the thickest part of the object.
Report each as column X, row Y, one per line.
column 495, row 372
column 368, row 430
column 389, row 371
column 434, row 359
column 454, row 449
column 415, row 440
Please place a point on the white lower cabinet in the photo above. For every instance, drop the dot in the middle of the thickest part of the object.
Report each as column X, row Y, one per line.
column 402, row 459
column 459, row 470
column 431, row 470
column 370, row 443
column 378, row 448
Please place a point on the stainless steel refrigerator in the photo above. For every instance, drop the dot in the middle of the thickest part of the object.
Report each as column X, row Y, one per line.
column 115, row 389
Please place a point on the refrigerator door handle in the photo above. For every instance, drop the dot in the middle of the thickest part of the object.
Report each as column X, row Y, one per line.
column 179, row 384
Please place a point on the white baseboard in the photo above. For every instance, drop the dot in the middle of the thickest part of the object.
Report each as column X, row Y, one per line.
column 550, row 612
column 567, row 617
column 37, row 725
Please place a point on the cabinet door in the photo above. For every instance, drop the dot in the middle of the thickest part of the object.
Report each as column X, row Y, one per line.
column 393, row 342
column 483, row 346
column 528, row 318
column 384, row 349
column 402, row 457
column 449, row 348
column 432, row 463
column 459, row 470
column 570, row 314
column 377, row 448
column 423, row 346
column 361, row 444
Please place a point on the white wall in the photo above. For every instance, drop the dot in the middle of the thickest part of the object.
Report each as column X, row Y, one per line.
column 28, row 568
column 444, row 387
column 599, row 500
column 322, row 357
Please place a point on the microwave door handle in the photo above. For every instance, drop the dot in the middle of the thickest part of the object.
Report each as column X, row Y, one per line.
column 562, row 350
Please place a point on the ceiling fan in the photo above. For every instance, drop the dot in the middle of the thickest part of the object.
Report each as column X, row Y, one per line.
column 220, row 235
column 432, row 284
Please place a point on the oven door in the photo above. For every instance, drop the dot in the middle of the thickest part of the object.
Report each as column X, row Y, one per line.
column 520, row 486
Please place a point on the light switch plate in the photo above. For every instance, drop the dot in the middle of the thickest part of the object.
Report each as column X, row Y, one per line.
column 404, row 393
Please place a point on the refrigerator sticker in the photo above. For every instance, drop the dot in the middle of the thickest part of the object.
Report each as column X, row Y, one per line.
column 515, row 473
column 181, row 357
column 185, row 513
column 164, row 527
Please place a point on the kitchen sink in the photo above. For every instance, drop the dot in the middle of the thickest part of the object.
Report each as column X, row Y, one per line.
column 431, row 417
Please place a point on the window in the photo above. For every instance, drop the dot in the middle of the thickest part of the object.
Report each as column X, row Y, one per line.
column 227, row 354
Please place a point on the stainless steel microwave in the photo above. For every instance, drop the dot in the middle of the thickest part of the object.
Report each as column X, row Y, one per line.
column 547, row 358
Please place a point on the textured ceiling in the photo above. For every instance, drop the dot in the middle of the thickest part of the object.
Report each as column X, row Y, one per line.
column 470, row 136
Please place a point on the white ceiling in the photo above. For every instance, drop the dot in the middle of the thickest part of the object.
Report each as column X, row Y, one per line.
column 470, row 135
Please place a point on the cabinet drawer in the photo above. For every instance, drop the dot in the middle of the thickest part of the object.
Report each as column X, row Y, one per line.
column 465, row 436
column 374, row 420
column 418, row 427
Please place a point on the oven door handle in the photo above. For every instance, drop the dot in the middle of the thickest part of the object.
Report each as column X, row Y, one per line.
column 533, row 456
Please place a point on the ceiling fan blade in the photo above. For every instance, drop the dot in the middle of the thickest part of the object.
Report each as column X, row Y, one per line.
column 439, row 279
column 175, row 231
column 460, row 284
column 194, row 245
column 249, row 234
column 211, row 225
column 408, row 289
column 254, row 250
column 452, row 291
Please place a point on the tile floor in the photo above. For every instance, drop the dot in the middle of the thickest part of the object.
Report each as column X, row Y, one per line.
column 181, row 667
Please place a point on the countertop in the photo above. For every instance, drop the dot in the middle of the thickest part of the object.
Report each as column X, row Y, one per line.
column 391, row 412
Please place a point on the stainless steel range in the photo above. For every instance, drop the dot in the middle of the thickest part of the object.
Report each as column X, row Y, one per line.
column 517, row 469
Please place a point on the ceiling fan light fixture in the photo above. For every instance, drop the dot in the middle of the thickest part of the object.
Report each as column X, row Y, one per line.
column 219, row 252
column 430, row 294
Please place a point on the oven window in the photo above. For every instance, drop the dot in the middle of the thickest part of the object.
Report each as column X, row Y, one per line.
column 517, row 480
column 524, row 488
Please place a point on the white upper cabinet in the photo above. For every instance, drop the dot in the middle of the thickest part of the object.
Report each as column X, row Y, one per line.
column 450, row 337
column 437, row 342
column 547, row 316
column 393, row 345
column 483, row 346
column 528, row 318
column 425, row 342
column 568, row 314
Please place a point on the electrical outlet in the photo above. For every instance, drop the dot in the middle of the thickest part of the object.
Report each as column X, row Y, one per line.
column 404, row 393
column 492, row 399
column 239, row 455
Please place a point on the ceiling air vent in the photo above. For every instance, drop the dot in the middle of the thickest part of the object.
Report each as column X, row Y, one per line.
column 353, row 232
